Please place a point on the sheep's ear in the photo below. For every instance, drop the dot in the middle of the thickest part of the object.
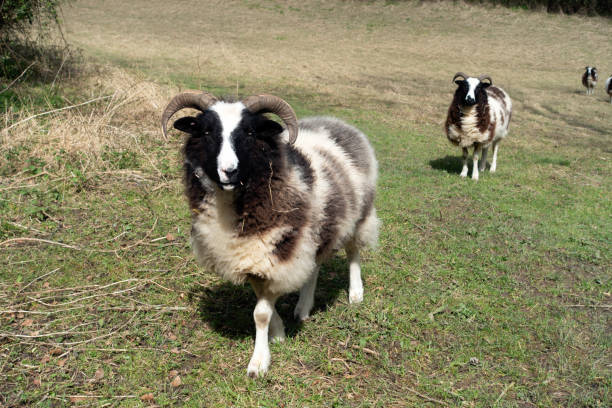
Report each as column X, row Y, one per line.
column 188, row 124
column 268, row 128
column 485, row 85
column 460, row 81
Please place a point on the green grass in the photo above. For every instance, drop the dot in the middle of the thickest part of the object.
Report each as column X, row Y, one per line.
column 483, row 294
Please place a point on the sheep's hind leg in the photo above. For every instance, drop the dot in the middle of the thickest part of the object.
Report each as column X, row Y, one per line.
column 494, row 161
column 483, row 160
column 355, row 283
column 477, row 151
column 277, row 328
column 464, row 170
column 306, row 300
column 263, row 314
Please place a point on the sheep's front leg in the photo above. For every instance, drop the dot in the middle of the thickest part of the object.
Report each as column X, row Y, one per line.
column 355, row 283
column 464, row 170
column 306, row 300
column 494, row 162
column 477, row 151
column 263, row 314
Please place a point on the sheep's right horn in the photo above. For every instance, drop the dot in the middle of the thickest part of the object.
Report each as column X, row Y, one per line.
column 274, row 104
column 199, row 100
column 460, row 74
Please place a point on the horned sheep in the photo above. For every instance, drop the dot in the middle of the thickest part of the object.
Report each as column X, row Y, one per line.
column 589, row 79
column 478, row 117
column 270, row 205
column 609, row 87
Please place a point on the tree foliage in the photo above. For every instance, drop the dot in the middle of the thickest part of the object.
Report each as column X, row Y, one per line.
column 590, row 7
column 18, row 16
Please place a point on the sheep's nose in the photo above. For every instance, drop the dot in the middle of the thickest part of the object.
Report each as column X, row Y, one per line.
column 469, row 100
column 231, row 173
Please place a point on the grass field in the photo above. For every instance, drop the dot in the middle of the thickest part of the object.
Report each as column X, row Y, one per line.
column 494, row 293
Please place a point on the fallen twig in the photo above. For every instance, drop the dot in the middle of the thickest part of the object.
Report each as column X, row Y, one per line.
column 55, row 110
column 35, row 279
column 593, row 306
column 17, row 79
column 366, row 350
column 505, row 390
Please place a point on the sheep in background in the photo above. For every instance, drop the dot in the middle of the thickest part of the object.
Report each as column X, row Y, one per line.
column 478, row 116
column 609, row 87
column 589, row 79
column 268, row 206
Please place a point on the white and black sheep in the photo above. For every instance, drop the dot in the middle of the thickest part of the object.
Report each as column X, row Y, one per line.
column 609, row 87
column 589, row 79
column 269, row 206
column 478, row 116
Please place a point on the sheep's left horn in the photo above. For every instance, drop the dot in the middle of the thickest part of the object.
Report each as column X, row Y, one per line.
column 199, row 100
column 460, row 74
column 274, row 104
column 485, row 76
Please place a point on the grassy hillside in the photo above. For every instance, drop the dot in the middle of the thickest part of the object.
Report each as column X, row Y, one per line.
column 495, row 293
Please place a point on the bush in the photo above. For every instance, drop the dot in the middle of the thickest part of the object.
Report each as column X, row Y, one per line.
column 18, row 16
column 590, row 7
column 27, row 45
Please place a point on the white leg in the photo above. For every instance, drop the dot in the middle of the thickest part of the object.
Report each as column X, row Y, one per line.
column 263, row 313
column 494, row 162
column 277, row 329
column 483, row 160
column 306, row 300
column 477, row 150
column 355, row 283
column 464, row 170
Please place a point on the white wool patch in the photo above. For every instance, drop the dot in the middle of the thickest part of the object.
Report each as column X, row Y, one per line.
column 497, row 108
column 230, row 115
column 472, row 83
column 469, row 129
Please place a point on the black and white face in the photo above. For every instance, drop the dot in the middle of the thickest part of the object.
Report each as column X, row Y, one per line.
column 469, row 90
column 229, row 143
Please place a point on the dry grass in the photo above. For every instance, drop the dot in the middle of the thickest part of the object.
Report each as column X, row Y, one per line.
column 397, row 58
column 109, row 116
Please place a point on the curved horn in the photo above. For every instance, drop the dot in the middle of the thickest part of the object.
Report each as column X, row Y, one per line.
column 274, row 104
column 485, row 76
column 189, row 99
column 460, row 74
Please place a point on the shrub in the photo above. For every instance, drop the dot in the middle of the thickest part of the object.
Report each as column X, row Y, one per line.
column 26, row 40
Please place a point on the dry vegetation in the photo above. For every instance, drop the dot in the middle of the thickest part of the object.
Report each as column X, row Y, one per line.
column 396, row 58
column 494, row 293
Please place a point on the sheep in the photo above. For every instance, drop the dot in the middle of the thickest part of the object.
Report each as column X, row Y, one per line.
column 268, row 207
column 589, row 79
column 609, row 87
column 478, row 116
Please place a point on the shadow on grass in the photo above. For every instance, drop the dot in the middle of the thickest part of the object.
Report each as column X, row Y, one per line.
column 450, row 164
column 228, row 308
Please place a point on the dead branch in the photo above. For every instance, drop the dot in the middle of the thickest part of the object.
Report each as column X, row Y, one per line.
column 55, row 110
